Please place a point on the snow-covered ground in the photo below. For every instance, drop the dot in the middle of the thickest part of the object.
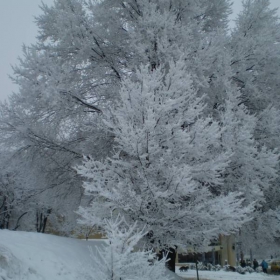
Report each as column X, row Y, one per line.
column 226, row 275
column 36, row 256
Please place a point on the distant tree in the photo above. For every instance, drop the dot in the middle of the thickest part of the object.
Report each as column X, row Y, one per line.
column 42, row 218
column 50, row 123
column 256, row 55
column 12, row 209
column 7, row 201
column 255, row 61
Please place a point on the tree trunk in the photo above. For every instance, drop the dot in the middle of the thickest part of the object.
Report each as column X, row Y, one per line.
column 171, row 256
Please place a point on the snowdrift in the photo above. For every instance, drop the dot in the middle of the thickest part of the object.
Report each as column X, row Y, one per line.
column 28, row 255
column 37, row 256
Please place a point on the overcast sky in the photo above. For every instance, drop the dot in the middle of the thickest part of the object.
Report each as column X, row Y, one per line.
column 17, row 27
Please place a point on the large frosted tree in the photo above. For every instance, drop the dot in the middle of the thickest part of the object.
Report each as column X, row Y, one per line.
column 184, row 65
column 167, row 162
column 255, row 62
column 75, row 69
column 168, row 61
column 49, row 124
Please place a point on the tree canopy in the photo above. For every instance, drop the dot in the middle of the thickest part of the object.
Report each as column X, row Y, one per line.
column 156, row 109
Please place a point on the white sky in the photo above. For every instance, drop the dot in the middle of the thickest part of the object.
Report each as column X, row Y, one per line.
column 17, row 27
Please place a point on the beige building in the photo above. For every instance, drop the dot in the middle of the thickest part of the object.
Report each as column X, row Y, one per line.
column 221, row 252
column 227, row 250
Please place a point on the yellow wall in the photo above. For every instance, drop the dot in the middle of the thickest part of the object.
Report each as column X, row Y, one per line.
column 227, row 251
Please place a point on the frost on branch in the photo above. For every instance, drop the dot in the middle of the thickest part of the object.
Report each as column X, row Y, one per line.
column 122, row 258
column 167, row 162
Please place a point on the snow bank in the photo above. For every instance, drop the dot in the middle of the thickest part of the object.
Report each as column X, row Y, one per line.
column 37, row 256
column 28, row 255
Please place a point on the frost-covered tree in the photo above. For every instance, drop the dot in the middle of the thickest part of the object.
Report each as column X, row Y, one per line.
column 49, row 124
column 167, row 163
column 7, row 201
column 215, row 123
column 256, row 54
column 252, row 169
column 74, row 70
column 122, row 257
column 13, row 193
column 255, row 62
column 244, row 165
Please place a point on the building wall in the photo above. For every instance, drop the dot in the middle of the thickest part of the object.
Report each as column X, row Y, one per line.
column 223, row 252
column 227, row 250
